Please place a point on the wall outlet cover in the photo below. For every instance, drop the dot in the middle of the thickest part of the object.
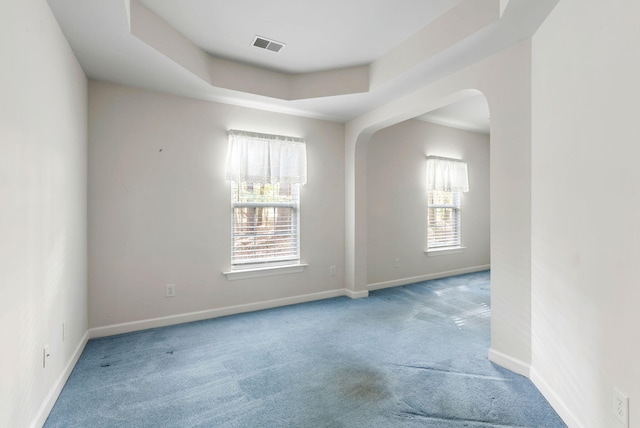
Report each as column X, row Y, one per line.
column 171, row 290
column 621, row 407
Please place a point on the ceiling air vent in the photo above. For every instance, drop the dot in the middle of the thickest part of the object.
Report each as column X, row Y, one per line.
column 270, row 45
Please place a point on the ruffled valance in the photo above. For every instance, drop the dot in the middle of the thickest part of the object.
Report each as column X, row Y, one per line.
column 447, row 175
column 265, row 158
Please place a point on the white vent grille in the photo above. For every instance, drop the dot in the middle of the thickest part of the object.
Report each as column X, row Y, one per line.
column 270, row 45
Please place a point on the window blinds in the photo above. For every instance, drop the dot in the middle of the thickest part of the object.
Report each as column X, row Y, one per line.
column 265, row 223
column 446, row 178
column 443, row 219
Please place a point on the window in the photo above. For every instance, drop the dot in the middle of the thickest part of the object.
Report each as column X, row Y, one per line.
column 446, row 180
column 265, row 223
column 266, row 172
column 443, row 219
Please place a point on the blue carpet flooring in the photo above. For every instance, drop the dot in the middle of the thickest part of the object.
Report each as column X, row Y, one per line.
column 411, row 356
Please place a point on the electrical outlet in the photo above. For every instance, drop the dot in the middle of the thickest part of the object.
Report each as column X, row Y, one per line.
column 332, row 270
column 621, row 407
column 396, row 263
column 45, row 354
column 171, row 290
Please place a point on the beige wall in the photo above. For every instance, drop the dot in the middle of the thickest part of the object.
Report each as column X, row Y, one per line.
column 159, row 208
column 396, row 202
column 43, row 176
column 586, row 209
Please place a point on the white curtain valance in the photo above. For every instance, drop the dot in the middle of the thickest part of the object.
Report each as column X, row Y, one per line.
column 447, row 175
column 266, row 158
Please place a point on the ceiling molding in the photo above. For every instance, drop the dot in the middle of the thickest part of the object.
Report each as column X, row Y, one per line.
column 222, row 73
column 454, row 26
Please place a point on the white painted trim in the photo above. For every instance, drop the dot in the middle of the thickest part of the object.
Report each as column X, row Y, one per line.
column 503, row 6
column 556, row 402
column 356, row 294
column 264, row 271
column 509, row 363
column 434, row 252
column 211, row 313
column 54, row 393
column 413, row 279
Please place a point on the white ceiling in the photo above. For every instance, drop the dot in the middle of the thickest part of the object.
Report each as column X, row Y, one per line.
column 176, row 46
column 319, row 35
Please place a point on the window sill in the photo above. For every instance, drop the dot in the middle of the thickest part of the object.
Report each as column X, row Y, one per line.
column 445, row 251
column 264, row 271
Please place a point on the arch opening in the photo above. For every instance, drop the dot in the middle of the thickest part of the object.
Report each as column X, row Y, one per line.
column 400, row 244
column 505, row 81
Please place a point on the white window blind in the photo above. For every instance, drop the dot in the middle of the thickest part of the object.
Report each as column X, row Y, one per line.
column 443, row 219
column 446, row 179
column 266, row 172
column 265, row 225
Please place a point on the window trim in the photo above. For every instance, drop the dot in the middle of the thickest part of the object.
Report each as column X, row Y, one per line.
column 444, row 251
column 257, row 272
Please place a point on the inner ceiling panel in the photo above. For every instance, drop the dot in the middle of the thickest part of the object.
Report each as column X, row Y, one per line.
column 319, row 35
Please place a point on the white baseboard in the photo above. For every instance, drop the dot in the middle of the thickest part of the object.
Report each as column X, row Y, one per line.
column 356, row 294
column 556, row 402
column 47, row 405
column 509, row 363
column 437, row 275
column 212, row 313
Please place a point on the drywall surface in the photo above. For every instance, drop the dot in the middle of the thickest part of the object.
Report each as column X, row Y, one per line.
column 160, row 208
column 397, row 202
column 586, row 209
column 43, row 134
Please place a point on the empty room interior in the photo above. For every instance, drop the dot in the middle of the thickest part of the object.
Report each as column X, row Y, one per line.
column 155, row 153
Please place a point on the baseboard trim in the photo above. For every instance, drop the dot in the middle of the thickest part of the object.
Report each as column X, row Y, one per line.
column 356, row 294
column 437, row 275
column 54, row 393
column 510, row 363
column 554, row 400
column 128, row 327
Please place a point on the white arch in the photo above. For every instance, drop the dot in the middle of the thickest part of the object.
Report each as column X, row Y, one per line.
column 506, row 82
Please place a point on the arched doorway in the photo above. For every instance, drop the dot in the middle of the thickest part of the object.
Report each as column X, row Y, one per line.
column 401, row 249
column 505, row 82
